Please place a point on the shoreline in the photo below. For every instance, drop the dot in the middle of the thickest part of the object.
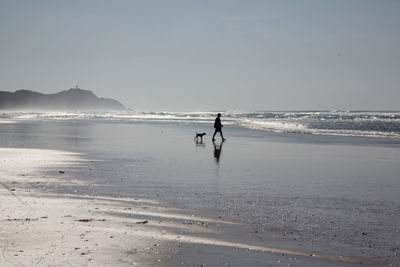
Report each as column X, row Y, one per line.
column 362, row 124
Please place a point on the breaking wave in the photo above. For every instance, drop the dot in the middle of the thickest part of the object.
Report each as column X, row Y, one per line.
column 344, row 123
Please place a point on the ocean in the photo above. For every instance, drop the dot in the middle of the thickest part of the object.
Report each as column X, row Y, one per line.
column 384, row 124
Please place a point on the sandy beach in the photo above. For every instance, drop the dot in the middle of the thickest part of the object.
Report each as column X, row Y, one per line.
column 140, row 195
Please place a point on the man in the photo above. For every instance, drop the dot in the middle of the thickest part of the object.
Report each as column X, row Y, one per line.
column 218, row 127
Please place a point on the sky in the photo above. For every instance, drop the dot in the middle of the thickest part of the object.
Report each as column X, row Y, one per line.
column 207, row 55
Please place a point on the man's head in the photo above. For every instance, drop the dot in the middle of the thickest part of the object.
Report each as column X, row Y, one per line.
column 219, row 115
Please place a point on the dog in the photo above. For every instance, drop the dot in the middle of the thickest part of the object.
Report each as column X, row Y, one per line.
column 199, row 135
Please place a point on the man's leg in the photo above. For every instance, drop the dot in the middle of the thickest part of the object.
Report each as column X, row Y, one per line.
column 222, row 135
column 215, row 132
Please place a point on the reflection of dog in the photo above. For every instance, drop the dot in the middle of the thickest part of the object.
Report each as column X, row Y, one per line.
column 199, row 135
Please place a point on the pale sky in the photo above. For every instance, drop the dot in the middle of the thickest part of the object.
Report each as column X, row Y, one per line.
column 207, row 55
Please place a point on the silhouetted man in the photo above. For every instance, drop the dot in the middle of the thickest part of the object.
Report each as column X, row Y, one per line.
column 218, row 127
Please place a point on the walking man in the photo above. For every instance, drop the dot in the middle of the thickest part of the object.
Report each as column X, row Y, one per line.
column 218, row 127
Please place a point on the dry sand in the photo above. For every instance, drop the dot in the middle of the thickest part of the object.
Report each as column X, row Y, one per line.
column 42, row 229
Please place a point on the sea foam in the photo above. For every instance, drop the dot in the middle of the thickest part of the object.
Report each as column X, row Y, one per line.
column 342, row 123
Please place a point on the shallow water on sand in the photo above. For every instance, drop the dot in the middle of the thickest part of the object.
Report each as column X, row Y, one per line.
column 324, row 193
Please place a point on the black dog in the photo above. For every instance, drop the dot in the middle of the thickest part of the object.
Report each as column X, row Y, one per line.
column 199, row 135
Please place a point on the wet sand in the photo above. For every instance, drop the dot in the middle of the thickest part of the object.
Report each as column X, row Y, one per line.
column 61, row 229
column 119, row 203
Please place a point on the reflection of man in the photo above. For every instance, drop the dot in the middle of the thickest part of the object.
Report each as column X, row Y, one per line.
column 217, row 151
column 218, row 127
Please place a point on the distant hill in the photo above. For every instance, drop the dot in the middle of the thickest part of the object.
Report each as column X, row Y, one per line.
column 72, row 99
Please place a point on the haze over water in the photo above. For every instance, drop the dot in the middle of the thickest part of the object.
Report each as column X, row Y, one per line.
column 207, row 55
